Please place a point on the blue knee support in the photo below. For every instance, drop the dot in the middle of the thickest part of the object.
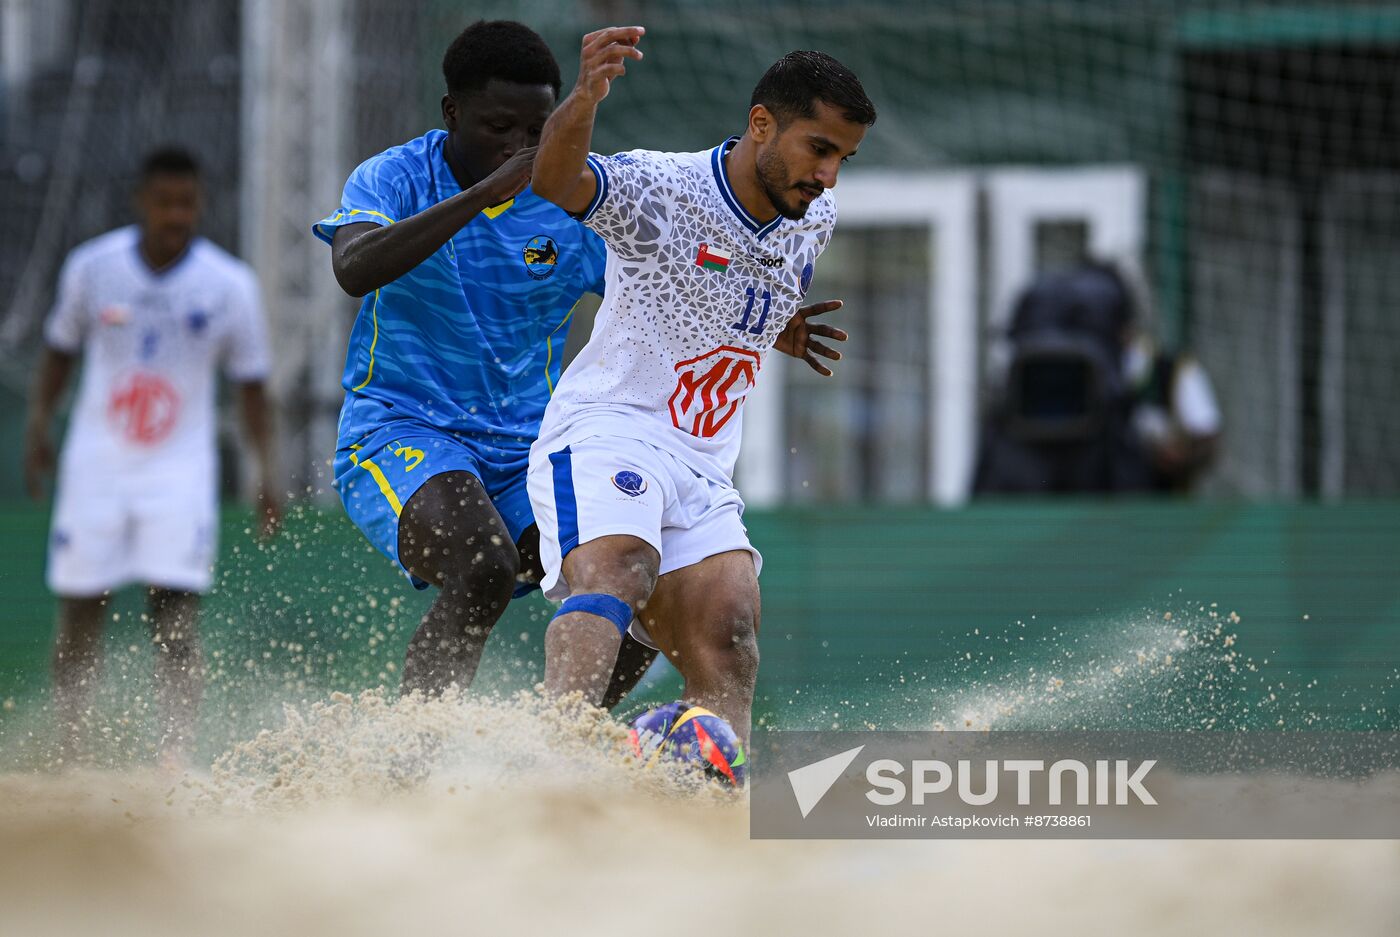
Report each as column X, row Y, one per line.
column 601, row 604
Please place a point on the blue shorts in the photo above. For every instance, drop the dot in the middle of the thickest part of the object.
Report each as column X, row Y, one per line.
column 378, row 474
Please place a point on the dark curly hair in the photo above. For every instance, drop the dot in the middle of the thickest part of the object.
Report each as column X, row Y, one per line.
column 168, row 161
column 500, row 49
column 793, row 84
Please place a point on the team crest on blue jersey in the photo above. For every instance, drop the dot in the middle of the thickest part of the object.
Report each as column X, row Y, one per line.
column 806, row 278
column 541, row 257
column 630, row 484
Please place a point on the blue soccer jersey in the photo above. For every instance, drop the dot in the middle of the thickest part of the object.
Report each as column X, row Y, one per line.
column 469, row 341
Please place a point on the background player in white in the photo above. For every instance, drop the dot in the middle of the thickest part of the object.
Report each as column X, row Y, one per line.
column 709, row 255
column 153, row 311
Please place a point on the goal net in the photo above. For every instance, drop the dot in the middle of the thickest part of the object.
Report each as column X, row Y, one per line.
column 1259, row 141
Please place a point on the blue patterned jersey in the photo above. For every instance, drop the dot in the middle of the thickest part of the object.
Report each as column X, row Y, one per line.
column 470, row 340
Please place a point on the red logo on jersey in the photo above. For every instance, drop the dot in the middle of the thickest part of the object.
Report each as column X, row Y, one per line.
column 710, row 388
column 115, row 314
column 143, row 408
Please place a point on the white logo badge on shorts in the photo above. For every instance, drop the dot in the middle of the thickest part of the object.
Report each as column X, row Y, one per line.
column 630, row 484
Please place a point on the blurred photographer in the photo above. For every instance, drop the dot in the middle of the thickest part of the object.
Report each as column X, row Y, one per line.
column 1088, row 404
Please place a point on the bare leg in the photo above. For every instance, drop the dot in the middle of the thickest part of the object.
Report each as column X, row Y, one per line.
column 633, row 657
column 174, row 622
column 706, row 618
column 77, row 666
column 579, row 653
column 581, row 649
column 451, row 536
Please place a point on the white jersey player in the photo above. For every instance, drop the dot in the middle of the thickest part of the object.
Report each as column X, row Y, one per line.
column 154, row 313
column 709, row 256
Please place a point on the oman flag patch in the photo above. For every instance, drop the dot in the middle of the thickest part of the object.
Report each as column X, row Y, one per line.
column 712, row 258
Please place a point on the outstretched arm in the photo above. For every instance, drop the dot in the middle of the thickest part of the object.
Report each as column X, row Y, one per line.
column 560, row 173
column 367, row 256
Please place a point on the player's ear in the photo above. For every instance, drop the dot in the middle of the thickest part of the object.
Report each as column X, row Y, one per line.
column 449, row 111
column 762, row 124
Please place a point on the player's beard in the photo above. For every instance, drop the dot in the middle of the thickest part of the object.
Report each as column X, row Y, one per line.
column 774, row 179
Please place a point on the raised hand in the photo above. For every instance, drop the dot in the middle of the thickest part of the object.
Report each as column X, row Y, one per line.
column 796, row 340
column 604, row 57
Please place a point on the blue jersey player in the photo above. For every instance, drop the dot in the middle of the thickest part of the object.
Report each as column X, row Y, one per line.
column 469, row 282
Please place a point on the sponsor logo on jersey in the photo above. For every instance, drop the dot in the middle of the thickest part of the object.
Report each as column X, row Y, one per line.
column 712, row 258
column 541, row 257
column 630, row 484
column 143, row 408
column 806, row 278
column 769, row 262
column 710, row 388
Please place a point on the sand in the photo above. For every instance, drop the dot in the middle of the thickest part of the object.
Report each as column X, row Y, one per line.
column 376, row 816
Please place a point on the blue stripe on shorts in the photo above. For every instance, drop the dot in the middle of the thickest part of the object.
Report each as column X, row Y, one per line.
column 565, row 503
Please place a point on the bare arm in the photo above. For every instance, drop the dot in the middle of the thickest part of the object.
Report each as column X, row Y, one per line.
column 366, row 257
column 257, row 429
column 560, row 172
column 55, row 367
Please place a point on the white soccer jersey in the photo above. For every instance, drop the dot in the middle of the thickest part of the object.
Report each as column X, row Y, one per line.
column 151, row 344
column 697, row 293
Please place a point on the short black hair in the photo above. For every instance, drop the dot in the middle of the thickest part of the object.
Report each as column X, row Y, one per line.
column 501, row 49
column 169, row 161
column 793, row 84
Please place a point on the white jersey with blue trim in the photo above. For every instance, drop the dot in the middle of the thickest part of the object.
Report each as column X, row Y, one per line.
column 697, row 293
column 152, row 343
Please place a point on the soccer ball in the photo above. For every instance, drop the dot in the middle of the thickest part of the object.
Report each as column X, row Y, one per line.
column 690, row 734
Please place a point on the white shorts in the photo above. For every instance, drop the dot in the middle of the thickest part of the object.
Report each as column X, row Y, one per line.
column 607, row 485
column 111, row 533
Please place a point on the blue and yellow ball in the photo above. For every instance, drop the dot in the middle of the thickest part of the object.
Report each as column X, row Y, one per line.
column 690, row 734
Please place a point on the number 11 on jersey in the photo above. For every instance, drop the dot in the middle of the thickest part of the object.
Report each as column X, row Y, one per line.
column 743, row 324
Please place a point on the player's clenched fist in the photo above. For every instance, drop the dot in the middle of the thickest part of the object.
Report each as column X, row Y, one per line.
column 604, row 57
